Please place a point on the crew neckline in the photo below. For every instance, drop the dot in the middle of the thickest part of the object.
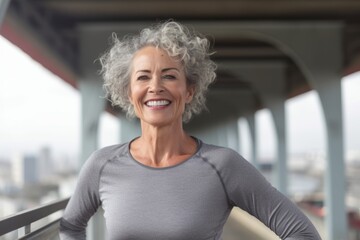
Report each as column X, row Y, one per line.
column 198, row 147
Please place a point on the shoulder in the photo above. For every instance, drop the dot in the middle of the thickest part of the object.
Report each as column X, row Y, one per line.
column 221, row 156
column 100, row 157
column 110, row 152
column 239, row 176
column 230, row 164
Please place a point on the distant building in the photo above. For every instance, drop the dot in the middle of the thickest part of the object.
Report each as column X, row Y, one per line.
column 25, row 170
column 5, row 171
column 45, row 163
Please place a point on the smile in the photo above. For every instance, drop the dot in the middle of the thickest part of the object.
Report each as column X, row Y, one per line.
column 157, row 103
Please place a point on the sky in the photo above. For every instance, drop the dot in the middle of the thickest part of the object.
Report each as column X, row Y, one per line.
column 38, row 109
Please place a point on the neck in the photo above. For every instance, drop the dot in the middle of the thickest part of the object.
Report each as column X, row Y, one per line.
column 161, row 146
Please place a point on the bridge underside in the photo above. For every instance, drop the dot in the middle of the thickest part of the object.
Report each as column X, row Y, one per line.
column 266, row 51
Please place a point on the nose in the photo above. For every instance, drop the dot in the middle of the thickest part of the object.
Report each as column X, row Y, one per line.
column 156, row 85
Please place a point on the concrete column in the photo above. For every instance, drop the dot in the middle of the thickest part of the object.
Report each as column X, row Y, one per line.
column 251, row 123
column 221, row 132
column 240, row 149
column 232, row 132
column 272, row 92
column 3, row 7
column 209, row 135
column 281, row 176
column 247, row 108
column 205, row 127
column 335, row 185
column 92, row 105
column 129, row 128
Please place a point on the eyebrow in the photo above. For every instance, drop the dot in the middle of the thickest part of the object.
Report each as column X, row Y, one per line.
column 163, row 70
column 168, row 69
column 140, row 71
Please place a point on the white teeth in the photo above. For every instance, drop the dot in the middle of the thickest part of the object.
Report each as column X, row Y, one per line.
column 157, row 103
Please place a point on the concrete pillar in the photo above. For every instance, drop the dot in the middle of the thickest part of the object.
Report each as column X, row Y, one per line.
column 213, row 132
column 221, row 132
column 281, row 176
column 3, row 7
column 335, row 185
column 240, row 147
column 205, row 127
column 269, row 81
column 209, row 135
column 92, row 105
column 232, row 132
column 90, row 85
column 129, row 128
column 247, row 108
column 250, row 118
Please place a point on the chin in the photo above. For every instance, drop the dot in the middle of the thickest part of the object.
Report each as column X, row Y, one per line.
column 160, row 121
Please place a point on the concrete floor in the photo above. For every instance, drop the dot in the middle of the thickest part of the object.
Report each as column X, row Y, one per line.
column 242, row 226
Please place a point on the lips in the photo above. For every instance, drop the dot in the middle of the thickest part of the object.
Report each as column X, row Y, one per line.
column 157, row 103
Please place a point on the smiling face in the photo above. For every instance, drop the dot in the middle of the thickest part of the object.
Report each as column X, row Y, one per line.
column 158, row 87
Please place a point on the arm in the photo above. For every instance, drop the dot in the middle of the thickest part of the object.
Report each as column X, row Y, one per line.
column 250, row 191
column 83, row 203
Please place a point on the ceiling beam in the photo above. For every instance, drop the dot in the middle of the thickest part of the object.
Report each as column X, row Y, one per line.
column 215, row 9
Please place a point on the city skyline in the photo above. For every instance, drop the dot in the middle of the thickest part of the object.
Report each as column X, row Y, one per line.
column 28, row 123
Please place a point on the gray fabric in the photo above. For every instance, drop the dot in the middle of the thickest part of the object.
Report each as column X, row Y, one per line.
column 191, row 200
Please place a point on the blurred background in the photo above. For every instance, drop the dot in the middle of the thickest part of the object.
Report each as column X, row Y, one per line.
column 286, row 98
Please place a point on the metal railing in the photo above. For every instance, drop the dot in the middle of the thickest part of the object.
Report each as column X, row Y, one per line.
column 22, row 221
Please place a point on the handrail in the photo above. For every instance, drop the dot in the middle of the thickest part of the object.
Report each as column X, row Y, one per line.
column 26, row 217
column 46, row 232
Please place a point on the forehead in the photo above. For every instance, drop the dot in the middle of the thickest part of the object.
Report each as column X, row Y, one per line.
column 151, row 56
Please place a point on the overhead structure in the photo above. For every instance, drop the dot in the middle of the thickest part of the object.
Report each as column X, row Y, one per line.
column 3, row 7
column 267, row 52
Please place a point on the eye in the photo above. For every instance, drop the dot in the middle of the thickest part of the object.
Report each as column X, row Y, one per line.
column 142, row 77
column 169, row 76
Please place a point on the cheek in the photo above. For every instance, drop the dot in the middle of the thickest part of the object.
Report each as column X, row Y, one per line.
column 133, row 93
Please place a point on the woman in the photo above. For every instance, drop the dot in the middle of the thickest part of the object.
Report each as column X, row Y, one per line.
column 166, row 184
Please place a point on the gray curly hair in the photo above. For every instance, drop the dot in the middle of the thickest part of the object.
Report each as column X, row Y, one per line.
column 191, row 48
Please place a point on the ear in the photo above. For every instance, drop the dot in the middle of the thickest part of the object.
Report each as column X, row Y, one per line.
column 129, row 96
column 190, row 93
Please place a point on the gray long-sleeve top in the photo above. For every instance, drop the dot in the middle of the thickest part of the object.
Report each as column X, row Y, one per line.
column 191, row 200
